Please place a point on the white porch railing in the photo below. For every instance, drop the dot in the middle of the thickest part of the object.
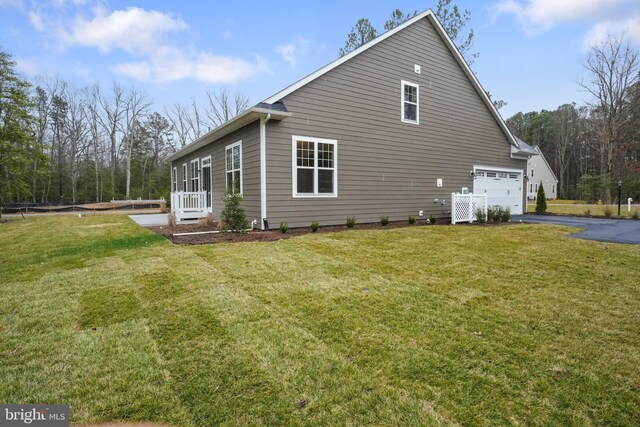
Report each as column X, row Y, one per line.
column 189, row 205
column 464, row 206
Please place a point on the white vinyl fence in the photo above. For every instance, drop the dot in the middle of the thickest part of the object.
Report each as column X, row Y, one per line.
column 464, row 206
column 189, row 205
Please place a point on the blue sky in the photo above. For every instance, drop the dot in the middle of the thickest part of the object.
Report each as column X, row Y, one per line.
column 530, row 50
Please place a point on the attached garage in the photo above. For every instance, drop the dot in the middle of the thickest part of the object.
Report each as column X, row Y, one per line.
column 502, row 186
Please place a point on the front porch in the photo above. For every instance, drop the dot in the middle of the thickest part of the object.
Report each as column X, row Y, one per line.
column 189, row 205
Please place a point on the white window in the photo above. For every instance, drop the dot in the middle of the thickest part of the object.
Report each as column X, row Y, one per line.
column 410, row 103
column 195, row 175
column 234, row 167
column 174, row 179
column 184, row 177
column 315, row 167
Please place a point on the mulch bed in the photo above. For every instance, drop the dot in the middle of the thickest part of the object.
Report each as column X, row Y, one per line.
column 265, row 236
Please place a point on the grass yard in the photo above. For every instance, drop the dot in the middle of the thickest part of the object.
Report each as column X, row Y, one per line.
column 416, row 326
column 562, row 207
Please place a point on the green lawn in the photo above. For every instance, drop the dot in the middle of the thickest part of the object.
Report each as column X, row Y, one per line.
column 562, row 207
column 417, row 326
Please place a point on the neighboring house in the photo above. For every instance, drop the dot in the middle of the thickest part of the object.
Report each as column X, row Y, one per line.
column 538, row 170
column 392, row 128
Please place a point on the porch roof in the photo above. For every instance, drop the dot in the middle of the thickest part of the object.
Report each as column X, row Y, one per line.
column 277, row 111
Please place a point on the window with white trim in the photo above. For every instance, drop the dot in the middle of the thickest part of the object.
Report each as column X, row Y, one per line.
column 184, row 177
column 174, row 179
column 233, row 162
column 410, row 103
column 195, row 175
column 315, row 171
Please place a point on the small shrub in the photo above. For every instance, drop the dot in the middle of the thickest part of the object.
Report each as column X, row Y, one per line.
column 607, row 210
column 541, row 201
column 315, row 225
column 506, row 215
column 283, row 227
column 172, row 219
column 412, row 219
column 490, row 213
column 384, row 220
column 587, row 212
column 635, row 214
column 432, row 219
column 481, row 216
column 233, row 216
column 351, row 221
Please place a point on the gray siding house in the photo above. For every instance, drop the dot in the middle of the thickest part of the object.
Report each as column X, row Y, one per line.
column 392, row 128
column 539, row 171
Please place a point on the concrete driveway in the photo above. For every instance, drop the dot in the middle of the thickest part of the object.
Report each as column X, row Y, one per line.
column 600, row 229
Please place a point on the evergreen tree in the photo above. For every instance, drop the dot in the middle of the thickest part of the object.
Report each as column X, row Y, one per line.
column 18, row 147
column 233, row 216
column 541, row 200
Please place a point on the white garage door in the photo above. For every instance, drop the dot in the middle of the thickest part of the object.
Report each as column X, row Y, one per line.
column 503, row 187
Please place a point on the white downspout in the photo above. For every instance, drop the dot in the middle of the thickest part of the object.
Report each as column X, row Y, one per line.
column 263, row 169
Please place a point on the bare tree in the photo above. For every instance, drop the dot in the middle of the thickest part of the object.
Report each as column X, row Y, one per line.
column 93, row 104
column 224, row 106
column 110, row 117
column 614, row 68
column 76, row 133
column 135, row 107
column 181, row 124
column 565, row 122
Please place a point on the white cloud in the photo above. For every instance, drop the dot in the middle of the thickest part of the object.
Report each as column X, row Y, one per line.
column 150, row 38
column 11, row 3
column 291, row 53
column 169, row 64
column 605, row 16
column 537, row 15
column 28, row 67
column 133, row 30
column 629, row 28
column 288, row 53
column 36, row 20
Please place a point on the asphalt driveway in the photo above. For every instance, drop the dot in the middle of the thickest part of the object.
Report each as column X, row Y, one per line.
column 600, row 229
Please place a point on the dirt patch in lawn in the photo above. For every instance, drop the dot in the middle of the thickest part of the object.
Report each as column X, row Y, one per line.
column 264, row 236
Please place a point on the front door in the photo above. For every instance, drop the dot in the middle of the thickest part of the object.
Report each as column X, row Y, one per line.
column 206, row 180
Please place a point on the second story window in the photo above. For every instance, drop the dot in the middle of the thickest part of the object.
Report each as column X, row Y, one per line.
column 410, row 103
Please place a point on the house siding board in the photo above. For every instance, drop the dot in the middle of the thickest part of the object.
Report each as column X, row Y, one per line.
column 249, row 135
column 385, row 166
column 542, row 173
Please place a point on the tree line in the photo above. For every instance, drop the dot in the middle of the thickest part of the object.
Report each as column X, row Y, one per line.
column 593, row 147
column 64, row 144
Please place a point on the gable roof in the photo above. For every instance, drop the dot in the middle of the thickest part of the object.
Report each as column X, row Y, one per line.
column 428, row 14
column 278, row 111
column 537, row 149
